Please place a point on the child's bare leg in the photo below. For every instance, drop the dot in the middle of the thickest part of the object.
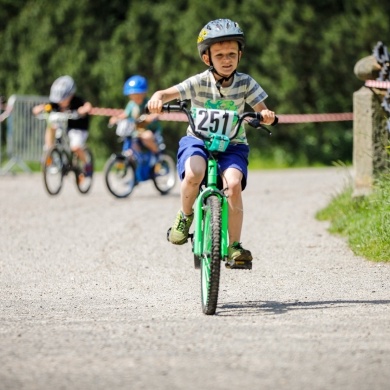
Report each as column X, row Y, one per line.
column 147, row 138
column 195, row 168
column 49, row 137
column 232, row 181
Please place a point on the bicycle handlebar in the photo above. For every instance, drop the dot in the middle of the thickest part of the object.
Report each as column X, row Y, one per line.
column 58, row 115
column 182, row 107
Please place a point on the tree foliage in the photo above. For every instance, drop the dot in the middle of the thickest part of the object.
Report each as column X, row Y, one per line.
column 302, row 52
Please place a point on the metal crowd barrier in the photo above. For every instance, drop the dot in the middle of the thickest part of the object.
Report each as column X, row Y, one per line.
column 24, row 133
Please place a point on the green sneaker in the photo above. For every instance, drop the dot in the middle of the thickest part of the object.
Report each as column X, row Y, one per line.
column 178, row 233
column 238, row 257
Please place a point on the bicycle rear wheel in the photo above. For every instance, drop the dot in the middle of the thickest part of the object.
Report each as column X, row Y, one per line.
column 53, row 170
column 119, row 174
column 164, row 173
column 84, row 172
column 211, row 257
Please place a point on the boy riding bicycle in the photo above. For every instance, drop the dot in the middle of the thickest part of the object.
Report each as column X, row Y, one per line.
column 62, row 98
column 220, row 46
column 149, row 130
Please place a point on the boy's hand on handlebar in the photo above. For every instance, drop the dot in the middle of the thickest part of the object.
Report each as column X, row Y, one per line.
column 155, row 106
column 85, row 109
column 38, row 109
column 268, row 117
column 113, row 120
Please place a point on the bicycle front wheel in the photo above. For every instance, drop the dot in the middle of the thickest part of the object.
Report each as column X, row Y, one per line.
column 53, row 170
column 119, row 175
column 84, row 172
column 164, row 173
column 211, row 257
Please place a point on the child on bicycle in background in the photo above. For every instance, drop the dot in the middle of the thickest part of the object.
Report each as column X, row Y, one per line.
column 220, row 46
column 62, row 98
column 148, row 128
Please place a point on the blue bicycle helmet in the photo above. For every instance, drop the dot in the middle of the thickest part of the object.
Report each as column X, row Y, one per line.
column 135, row 84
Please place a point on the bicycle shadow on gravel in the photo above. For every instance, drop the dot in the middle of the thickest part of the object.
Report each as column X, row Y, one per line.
column 253, row 308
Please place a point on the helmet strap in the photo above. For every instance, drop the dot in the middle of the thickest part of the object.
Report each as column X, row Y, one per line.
column 219, row 82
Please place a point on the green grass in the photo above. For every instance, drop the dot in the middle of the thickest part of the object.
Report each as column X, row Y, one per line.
column 364, row 221
column 278, row 159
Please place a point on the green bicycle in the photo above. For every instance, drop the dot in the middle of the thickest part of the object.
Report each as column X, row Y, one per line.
column 210, row 238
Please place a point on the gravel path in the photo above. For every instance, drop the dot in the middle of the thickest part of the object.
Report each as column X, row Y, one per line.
column 92, row 296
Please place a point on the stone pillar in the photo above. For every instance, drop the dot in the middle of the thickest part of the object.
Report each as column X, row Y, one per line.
column 370, row 139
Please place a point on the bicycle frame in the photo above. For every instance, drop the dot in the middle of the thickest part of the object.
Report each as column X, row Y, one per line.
column 143, row 159
column 62, row 143
column 62, row 140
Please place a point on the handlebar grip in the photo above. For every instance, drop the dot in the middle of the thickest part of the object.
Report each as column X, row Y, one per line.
column 165, row 108
column 256, row 122
column 274, row 123
column 173, row 107
column 181, row 107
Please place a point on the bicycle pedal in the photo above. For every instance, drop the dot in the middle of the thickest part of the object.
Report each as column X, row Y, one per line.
column 239, row 264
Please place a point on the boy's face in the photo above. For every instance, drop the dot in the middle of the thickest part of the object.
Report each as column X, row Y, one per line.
column 65, row 103
column 137, row 98
column 224, row 56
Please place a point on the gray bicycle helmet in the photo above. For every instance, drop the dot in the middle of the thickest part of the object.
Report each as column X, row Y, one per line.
column 62, row 88
column 218, row 31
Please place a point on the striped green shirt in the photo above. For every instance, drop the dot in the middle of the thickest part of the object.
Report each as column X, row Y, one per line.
column 202, row 90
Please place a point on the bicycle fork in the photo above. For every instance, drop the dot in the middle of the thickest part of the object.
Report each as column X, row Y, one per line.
column 210, row 190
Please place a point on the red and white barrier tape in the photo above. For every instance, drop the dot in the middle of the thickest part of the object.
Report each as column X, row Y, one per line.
column 106, row 111
column 305, row 118
column 298, row 118
column 292, row 118
column 377, row 84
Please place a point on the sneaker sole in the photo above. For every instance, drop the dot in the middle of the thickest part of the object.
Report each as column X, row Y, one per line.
column 240, row 265
column 178, row 242
column 240, row 262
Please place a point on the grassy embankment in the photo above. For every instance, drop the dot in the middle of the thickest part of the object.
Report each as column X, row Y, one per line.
column 363, row 221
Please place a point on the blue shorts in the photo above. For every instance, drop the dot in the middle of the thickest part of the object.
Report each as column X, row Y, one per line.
column 235, row 156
